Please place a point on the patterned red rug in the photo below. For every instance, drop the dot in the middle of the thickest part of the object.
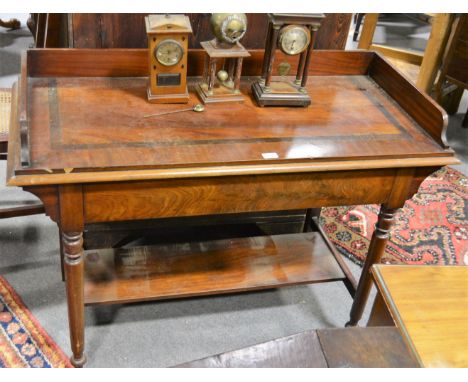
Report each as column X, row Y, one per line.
column 432, row 228
column 23, row 342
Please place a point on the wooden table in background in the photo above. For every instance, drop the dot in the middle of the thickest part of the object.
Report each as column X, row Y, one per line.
column 80, row 143
column 429, row 304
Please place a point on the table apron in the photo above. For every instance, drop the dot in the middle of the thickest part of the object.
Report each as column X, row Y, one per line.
column 221, row 195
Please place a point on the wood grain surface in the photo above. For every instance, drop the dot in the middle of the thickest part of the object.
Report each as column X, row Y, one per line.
column 359, row 142
column 429, row 304
column 333, row 348
column 201, row 268
column 205, row 196
column 381, row 347
column 116, row 134
column 298, row 350
column 134, row 62
column 398, row 130
column 431, row 117
column 124, row 30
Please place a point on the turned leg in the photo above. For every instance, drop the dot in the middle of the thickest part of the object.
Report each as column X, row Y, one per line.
column 71, row 227
column 375, row 253
column 62, row 256
column 74, row 269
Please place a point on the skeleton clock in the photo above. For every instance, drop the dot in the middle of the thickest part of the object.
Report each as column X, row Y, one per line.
column 226, row 53
column 294, row 35
column 167, row 50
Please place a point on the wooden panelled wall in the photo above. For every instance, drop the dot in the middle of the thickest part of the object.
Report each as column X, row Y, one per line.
column 123, row 30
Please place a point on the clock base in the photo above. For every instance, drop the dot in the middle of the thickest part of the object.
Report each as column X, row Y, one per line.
column 280, row 94
column 168, row 98
column 218, row 94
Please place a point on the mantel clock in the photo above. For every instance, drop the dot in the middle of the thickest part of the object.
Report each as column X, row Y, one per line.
column 167, row 50
column 223, row 59
column 294, row 34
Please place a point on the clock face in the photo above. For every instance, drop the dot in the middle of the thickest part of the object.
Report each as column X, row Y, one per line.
column 233, row 29
column 169, row 52
column 294, row 39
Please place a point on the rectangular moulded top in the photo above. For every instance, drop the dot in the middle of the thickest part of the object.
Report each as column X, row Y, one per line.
column 95, row 123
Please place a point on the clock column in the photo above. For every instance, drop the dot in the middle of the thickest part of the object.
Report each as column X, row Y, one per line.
column 271, row 56
column 310, row 48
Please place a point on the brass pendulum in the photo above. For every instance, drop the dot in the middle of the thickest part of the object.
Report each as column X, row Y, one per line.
column 198, row 108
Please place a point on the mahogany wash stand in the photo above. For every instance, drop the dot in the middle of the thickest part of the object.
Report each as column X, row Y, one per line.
column 80, row 143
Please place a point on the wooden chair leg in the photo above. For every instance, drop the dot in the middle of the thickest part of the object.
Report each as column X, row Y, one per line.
column 368, row 29
column 440, row 32
column 465, row 120
column 359, row 18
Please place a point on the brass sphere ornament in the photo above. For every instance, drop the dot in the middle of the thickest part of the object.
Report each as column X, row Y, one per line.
column 228, row 28
column 222, row 75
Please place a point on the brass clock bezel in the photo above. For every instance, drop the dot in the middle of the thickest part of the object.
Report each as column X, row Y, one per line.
column 164, row 42
column 287, row 29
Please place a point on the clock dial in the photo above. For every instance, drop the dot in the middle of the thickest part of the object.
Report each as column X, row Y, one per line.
column 169, row 52
column 294, row 39
column 233, row 28
column 228, row 28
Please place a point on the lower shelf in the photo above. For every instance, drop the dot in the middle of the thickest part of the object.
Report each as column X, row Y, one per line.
column 202, row 268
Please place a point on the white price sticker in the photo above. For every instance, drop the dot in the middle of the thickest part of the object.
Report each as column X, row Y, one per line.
column 270, row 155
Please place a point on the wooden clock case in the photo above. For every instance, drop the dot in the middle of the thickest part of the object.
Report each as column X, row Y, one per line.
column 167, row 84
